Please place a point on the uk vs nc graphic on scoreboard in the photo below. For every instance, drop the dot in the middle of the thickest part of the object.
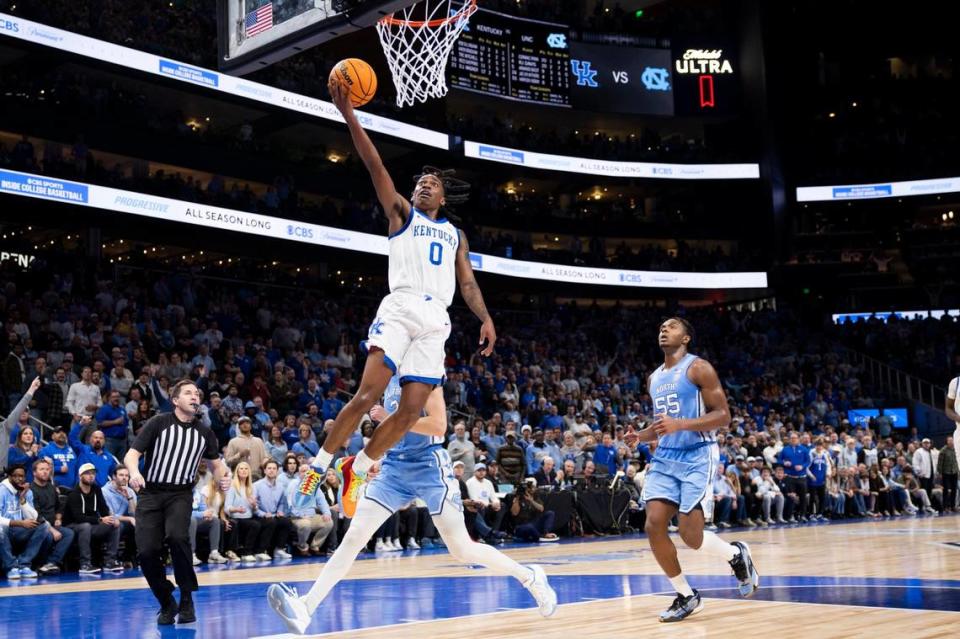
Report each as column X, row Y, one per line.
column 602, row 78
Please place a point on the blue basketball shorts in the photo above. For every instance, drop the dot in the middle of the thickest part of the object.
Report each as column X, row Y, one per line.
column 427, row 475
column 683, row 476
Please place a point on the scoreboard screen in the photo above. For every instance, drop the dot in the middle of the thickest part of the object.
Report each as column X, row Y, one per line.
column 512, row 57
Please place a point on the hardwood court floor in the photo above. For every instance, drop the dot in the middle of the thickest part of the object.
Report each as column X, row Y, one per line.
column 872, row 579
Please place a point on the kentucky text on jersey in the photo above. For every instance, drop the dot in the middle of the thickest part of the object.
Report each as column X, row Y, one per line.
column 435, row 233
column 423, row 257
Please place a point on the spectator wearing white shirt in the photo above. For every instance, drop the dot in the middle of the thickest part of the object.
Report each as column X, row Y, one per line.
column 924, row 464
column 482, row 492
column 848, row 455
column 83, row 398
column 768, row 491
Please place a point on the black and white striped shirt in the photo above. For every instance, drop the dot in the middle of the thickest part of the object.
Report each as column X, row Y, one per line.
column 172, row 450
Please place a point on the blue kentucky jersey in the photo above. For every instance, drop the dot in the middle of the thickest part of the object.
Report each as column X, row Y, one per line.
column 674, row 394
column 411, row 444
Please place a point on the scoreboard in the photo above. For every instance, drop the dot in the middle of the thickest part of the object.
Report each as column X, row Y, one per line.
column 511, row 57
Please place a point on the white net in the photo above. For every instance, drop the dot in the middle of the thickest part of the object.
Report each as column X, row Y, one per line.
column 417, row 42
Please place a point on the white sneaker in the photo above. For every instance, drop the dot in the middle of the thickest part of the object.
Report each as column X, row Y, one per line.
column 672, row 528
column 216, row 558
column 280, row 553
column 412, row 544
column 262, row 556
column 285, row 602
column 248, row 559
column 395, row 543
column 542, row 592
column 381, row 547
column 196, row 561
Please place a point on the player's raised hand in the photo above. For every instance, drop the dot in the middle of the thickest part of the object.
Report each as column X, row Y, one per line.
column 378, row 413
column 340, row 96
column 488, row 334
column 631, row 437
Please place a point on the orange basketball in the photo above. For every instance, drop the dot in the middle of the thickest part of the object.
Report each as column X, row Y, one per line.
column 358, row 77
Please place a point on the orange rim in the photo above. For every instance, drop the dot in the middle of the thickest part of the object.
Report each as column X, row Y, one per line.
column 465, row 12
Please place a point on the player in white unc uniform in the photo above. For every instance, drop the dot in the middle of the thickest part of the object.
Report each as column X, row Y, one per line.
column 429, row 256
column 418, row 466
column 690, row 406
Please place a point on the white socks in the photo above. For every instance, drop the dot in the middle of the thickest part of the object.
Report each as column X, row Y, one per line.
column 362, row 463
column 680, row 585
column 716, row 547
column 322, row 460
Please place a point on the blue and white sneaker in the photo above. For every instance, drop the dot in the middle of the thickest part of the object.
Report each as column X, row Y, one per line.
column 286, row 603
column 682, row 607
column 13, row 573
column 28, row 573
column 542, row 591
column 744, row 570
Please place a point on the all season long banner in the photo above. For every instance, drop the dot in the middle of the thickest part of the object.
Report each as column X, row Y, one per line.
column 220, row 219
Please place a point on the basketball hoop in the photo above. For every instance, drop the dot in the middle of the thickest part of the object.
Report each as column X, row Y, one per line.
column 417, row 49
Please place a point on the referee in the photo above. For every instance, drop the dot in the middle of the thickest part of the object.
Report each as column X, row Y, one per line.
column 173, row 444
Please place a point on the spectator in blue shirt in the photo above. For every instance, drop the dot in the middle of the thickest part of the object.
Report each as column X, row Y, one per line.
column 113, row 421
column 94, row 453
column 331, row 405
column 306, row 445
column 606, row 454
column 312, row 393
column 552, row 421
column 24, row 452
column 273, row 512
column 795, row 459
column 492, row 440
column 535, row 452
column 275, row 444
column 19, row 521
column 63, row 458
column 313, row 523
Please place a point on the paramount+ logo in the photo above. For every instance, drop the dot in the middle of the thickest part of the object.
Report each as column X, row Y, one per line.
column 304, row 232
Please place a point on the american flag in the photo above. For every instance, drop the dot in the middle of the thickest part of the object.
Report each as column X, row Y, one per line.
column 258, row 20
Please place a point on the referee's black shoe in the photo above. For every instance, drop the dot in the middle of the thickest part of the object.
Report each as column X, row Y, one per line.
column 168, row 613
column 187, row 612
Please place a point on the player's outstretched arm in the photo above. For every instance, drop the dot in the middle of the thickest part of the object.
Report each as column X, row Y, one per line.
column 396, row 207
column 470, row 291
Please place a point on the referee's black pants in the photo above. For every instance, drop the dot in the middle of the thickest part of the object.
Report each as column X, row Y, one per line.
column 164, row 516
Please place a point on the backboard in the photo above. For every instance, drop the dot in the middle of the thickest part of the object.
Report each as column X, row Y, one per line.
column 253, row 34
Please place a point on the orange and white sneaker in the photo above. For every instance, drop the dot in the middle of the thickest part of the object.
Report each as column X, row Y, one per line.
column 351, row 485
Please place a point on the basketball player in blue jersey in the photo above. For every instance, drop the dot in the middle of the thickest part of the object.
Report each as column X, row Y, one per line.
column 690, row 406
column 417, row 466
column 429, row 256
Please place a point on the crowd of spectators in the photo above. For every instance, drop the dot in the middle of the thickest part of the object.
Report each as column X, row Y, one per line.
column 89, row 360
